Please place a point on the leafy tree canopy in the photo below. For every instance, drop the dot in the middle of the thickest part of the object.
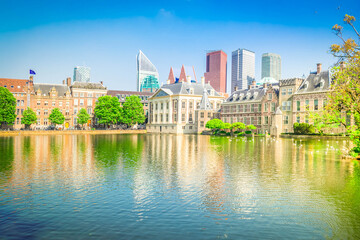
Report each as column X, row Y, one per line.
column 7, row 106
column 215, row 124
column 83, row 117
column 108, row 110
column 251, row 127
column 29, row 117
column 238, row 125
column 56, row 117
column 133, row 111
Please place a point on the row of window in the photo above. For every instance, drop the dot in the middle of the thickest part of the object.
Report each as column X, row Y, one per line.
column 307, row 104
column 249, row 120
column 244, row 108
column 46, row 112
column 288, row 91
column 162, row 106
column 53, row 103
column 97, row 95
column 123, row 97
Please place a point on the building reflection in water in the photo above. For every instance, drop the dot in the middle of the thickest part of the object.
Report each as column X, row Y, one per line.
column 241, row 178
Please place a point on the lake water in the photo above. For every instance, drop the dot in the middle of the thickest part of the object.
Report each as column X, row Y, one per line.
column 176, row 187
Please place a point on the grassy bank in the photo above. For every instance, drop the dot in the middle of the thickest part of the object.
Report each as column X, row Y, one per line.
column 70, row 132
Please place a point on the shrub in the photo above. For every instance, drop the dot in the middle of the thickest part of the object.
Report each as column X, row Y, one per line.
column 241, row 134
column 248, row 132
column 303, row 128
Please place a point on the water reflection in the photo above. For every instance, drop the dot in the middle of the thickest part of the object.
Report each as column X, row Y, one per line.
column 207, row 186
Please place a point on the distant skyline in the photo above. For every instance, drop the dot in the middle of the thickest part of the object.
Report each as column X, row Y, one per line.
column 55, row 37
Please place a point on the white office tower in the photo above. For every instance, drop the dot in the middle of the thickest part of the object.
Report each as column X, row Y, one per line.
column 242, row 69
column 145, row 69
column 81, row 74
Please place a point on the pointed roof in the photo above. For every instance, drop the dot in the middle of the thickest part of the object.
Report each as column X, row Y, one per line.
column 182, row 77
column 171, row 76
column 205, row 103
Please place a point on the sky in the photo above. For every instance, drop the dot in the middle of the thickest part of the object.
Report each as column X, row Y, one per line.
column 52, row 37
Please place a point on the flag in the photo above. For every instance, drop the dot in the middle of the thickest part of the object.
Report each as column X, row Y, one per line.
column 32, row 72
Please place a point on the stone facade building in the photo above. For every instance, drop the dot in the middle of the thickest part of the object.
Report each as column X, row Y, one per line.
column 287, row 89
column 182, row 107
column 254, row 105
column 85, row 95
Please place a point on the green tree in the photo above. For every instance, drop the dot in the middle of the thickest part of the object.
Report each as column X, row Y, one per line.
column 108, row 110
column 215, row 125
column 238, row 125
column 251, row 127
column 133, row 111
column 29, row 117
column 56, row 117
column 7, row 107
column 344, row 97
column 83, row 117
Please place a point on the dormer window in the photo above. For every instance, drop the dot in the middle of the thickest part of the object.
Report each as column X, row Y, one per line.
column 321, row 83
column 255, row 94
column 306, row 84
column 248, row 95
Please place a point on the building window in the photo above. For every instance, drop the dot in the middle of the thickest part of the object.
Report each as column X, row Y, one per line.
column 89, row 102
column 290, row 91
column 167, row 105
column 273, row 107
column 266, row 120
column 45, row 121
column 209, row 114
column 161, row 106
column 266, row 107
column 298, row 119
column 183, row 117
column 307, row 118
column 38, row 103
column 286, row 120
column 76, row 94
column 22, row 111
column 259, row 108
column 89, row 95
column 190, row 117
column 156, row 106
column 155, row 117
column 297, row 105
column 316, row 104
column 53, row 104
column 67, row 112
column 167, row 117
column 75, row 110
column 67, row 104
column 307, row 104
column 259, row 120
column 81, row 94
column 252, row 107
column 183, row 104
column 38, row 121
column 38, row 112
column 201, row 115
column 46, row 103
column 283, row 91
column 22, row 102
column 161, row 117
column 81, row 102
column 17, row 111
column 348, row 119
column 89, row 110
column 270, row 96
column 46, row 112
column 201, row 123
column 175, row 117
column 17, row 120
column 324, row 103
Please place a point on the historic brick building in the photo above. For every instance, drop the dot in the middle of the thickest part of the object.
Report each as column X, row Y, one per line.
column 21, row 89
column 255, row 105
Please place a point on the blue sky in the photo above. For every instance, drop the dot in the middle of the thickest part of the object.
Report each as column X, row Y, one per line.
column 52, row 37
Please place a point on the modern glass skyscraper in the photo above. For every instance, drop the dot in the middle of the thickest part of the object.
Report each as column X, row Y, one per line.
column 242, row 69
column 271, row 66
column 81, row 74
column 145, row 68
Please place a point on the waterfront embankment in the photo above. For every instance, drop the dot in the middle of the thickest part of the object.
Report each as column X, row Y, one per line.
column 69, row 132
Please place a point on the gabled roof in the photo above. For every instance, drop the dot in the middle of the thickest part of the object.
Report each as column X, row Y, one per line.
column 247, row 95
column 45, row 88
column 313, row 83
column 186, row 88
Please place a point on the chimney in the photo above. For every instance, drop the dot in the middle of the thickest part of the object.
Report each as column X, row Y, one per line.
column 68, row 82
column 203, row 81
column 188, row 79
column 253, row 83
column 63, row 82
column 318, row 68
column 101, row 82
column 31, row 78
column 249, row 86
column 342, row 65
column 236, row 88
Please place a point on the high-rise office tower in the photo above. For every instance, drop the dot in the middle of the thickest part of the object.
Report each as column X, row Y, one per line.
column 81, row 74
column 216, row 70
column 271, row 66
column 242, row 69
column 145, row 68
